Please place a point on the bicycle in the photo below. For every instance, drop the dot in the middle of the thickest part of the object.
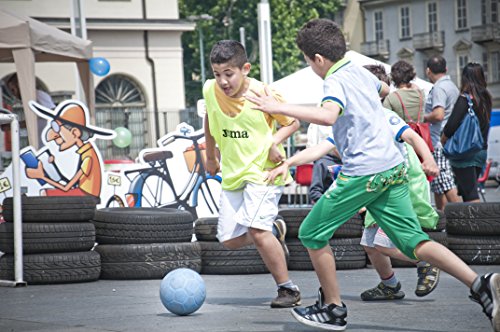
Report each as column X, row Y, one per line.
column 153, row 186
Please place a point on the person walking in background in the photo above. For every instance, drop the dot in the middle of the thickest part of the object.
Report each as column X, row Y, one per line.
column 467, row 170
column 408, row 100
column 438, row 106
column 249, row 144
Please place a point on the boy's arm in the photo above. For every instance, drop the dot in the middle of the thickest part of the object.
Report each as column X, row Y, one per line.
column 384, row 90
column 279, row 137
column 325, row 115
column 303, row 157
column 428, row 163
column 212, row 163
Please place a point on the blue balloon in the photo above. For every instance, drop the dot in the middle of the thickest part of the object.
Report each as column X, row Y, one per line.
column 99, row 66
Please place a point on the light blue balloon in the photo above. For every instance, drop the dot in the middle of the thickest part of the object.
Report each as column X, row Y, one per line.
column 99, row 66
column 123, row 137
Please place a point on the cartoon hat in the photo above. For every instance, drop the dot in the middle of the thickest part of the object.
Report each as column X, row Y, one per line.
column 69, row 112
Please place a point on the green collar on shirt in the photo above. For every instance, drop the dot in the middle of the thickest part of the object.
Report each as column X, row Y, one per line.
column 337, row 65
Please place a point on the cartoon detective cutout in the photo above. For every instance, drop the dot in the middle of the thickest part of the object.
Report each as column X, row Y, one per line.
column 68, row 127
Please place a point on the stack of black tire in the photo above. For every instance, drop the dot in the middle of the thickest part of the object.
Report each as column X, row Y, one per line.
column 57, row 240
column 145, row 243
column 349, row 254
column 216, row 259
column 474, row 232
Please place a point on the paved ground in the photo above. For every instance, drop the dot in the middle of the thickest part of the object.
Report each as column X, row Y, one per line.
column 234, row 303
column 237, row 303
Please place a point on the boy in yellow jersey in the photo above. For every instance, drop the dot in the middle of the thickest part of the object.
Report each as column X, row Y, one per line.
column 249, row 144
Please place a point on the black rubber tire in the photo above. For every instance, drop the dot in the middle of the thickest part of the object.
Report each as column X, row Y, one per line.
column 52, row 208
column 54, row 268
column 440, row 237
column 293, row 217
column 353, row 228
column 216, row 259
column 205, row 229
column 142, row 225
column 49, row 238
column 473, row 218
column 441, row 225
column 147, row 261
column 349, row 254
column 476, row 250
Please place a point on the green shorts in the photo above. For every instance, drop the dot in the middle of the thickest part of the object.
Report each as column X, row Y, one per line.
column 386, row 197
column 419, row 194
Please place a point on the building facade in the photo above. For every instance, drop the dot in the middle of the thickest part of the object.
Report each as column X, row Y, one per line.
column 461, row 31
column 144, row 90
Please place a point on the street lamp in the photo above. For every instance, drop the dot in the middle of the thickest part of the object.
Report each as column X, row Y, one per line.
column 196, row 18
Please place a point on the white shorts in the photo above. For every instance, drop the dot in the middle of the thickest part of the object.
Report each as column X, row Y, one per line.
column 254, row 206
column 373, row 236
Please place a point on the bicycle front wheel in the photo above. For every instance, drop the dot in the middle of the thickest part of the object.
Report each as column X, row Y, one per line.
column 115, row 201
column 154, row 191
column 208, row 197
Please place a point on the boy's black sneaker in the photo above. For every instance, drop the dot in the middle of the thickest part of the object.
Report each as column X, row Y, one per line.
column 485, row 290
column 279, row 230
column 327, row 317
column 287, row 298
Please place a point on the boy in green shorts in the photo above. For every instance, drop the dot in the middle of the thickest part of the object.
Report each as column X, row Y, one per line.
column 249, row 144
column 373, row 176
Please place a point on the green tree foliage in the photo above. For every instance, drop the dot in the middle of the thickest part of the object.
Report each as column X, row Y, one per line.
column 287, row 16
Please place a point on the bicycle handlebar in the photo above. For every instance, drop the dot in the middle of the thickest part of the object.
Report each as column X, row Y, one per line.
column 193, row 138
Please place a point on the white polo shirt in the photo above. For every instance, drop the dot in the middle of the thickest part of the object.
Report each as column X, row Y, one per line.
column 361, row 132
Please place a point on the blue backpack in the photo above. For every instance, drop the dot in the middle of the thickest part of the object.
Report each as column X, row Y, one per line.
column 467, row 139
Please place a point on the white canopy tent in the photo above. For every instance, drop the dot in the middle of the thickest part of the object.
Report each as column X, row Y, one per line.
column 306, row 88
column 25, row 41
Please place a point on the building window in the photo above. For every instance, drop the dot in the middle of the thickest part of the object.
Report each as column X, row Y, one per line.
column 379, row 26
column 495, row 67
column 483, row 12
column 432, row 16
column 462, row 61
column 405, row 22
column 461, row 14
column 120, row 102
column 485, row 65
column 494, row 11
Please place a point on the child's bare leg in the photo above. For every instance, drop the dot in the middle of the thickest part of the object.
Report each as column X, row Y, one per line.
column 271, row 252
column 394, row 253
column 441, row 257
column 380, row 261
column 238, row 242
column 324, row 265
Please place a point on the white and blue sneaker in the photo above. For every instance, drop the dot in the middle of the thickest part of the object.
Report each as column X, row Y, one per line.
column 485, row 290
column 327, row 317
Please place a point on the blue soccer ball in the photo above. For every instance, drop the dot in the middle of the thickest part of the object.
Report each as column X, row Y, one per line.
column 182, row 291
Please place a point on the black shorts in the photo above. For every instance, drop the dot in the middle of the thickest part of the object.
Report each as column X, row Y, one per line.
column 466, row 180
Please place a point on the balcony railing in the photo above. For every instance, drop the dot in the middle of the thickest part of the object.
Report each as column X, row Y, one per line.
column 376, row 49
column 485, row 33
column 429, row 40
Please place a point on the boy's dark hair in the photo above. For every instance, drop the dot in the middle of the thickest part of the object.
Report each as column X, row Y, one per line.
column 437, row 64
column 379, row 72
column 402, row 72
column 228, row 51
column 323, row 37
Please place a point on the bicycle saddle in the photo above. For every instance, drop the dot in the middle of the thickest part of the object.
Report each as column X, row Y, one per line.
column 157, row 155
